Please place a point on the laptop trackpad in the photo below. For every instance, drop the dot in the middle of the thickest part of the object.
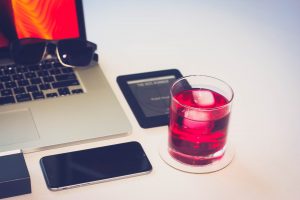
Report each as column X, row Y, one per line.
column 17, row 127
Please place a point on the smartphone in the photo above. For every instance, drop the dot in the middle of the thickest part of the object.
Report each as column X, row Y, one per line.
column 95, row 165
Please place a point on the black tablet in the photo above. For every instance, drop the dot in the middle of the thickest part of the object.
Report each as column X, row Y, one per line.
column 148, row 95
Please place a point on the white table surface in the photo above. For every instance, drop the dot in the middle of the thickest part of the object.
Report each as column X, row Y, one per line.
column 253, row 45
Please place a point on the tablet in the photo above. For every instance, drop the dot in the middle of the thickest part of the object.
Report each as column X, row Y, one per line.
column 148, row 95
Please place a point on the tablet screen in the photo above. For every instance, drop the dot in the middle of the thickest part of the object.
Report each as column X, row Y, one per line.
column 153, row 94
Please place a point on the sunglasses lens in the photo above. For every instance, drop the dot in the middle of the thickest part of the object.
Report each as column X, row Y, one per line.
column 27, row 51
column 76, row 52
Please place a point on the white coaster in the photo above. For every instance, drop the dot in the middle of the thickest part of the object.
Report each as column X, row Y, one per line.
column 200, row 169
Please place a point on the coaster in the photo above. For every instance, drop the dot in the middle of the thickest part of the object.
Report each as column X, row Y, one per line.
column 200, row 169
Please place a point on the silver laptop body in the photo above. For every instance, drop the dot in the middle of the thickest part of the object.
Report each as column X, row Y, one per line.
column 92, row 115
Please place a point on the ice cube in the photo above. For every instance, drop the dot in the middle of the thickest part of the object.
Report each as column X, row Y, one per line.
column 197, row 122
column 197, row 115
column 203, row 98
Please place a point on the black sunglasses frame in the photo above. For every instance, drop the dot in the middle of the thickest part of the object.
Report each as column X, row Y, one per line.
column 69, row 52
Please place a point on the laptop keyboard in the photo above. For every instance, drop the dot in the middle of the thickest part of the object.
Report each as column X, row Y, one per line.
column 19, row 83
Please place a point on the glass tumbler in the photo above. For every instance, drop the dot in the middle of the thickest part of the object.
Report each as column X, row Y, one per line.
column 199, row 117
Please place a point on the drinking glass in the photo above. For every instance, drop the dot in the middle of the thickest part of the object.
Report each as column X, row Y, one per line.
column 199, row 117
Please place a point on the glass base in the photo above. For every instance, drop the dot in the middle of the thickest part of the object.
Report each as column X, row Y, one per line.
column 199, row 169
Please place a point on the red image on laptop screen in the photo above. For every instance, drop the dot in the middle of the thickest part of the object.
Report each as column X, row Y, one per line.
column 47, row 19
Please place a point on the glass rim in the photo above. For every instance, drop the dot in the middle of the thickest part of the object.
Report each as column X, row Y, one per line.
column 203, row 109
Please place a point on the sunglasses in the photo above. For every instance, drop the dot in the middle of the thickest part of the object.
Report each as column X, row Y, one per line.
column 70, row 52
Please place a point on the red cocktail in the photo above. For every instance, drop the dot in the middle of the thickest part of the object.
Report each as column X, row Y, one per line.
column 199, row 116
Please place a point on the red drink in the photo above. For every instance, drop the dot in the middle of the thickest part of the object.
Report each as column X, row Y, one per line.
column 198, row 126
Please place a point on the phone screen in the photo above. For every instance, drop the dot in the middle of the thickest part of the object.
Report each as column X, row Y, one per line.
column 82, row 167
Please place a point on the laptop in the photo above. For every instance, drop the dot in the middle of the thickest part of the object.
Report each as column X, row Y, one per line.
column 49, row 105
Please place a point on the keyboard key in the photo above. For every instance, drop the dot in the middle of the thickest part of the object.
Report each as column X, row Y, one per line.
column 38, row 95
column 43, row 73
column 32, row 88
column 47, row 66
column 45, row 86
column 5, row 78
column 21, row 69
column 1, row 86
column 64, row 77
column 7, row 100
column 11, row 84
column 36, row 81
column 50, row 95
column 6, row 92
column 30, row 75
column 19, row 90
column 33, row 67
column 55, row 71
column 23, row 82
column 57, row 64
column 48, row 79
column 77, row 91
column 65, row 83
column 9, row 70
column 18, row 77
column 23, row 97
column 67, row 70
column 64, row 91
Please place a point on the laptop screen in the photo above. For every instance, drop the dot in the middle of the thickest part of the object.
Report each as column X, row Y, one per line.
column 47, row 19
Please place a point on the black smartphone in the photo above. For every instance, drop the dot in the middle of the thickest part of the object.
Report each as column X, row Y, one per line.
column 67, row 170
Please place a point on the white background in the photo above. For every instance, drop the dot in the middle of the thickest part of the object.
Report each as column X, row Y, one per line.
column 253, row 45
